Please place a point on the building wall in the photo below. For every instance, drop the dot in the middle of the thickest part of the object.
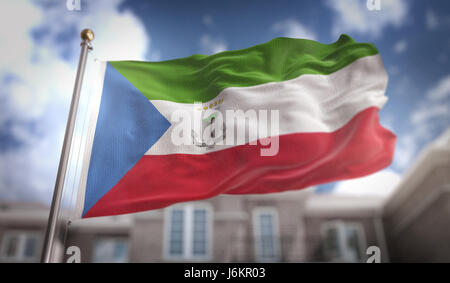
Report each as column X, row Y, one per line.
column 416, row 226
column 314, row 235
column 232, row 230
column 427, row 238
column 417, row 216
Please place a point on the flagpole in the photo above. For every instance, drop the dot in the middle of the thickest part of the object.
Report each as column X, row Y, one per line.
column 87, row 36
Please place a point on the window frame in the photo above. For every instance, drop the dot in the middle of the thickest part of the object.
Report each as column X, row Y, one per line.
column 188, row 232
column 344, row 250
column 110, row 238
column 22, row 236
column 257, row 212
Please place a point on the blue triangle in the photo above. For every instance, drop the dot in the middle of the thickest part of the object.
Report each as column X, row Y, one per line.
column 128, row 125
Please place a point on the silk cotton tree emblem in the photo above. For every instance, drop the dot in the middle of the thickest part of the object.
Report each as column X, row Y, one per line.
column 209, row 126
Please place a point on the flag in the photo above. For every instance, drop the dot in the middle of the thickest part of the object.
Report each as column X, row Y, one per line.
column 305, row 113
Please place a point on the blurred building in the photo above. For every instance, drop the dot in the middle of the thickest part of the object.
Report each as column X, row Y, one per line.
column 299, row 226
column 417, row 216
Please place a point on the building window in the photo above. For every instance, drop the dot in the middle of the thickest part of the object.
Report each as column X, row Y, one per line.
column 199, row 230
column 188, row 228
column 176, row 232
column 114, row 250
column 266, row 233
column 20, row 246
column 343, row 241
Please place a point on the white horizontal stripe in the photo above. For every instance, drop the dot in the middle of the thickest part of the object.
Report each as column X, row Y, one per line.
column 308, row 103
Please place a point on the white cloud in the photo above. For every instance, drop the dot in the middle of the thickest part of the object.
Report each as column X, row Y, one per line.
column 15, row 43
column 380, row 184
column 212, row 45
column 431, row 114
column 400, row 46
column 435, row 106
column 208, row 21
column 294, row 29
column 393, row 70
column 40, row 49
column 353, row 16
column 387, row 120
column 119, row 35
column 441, row 91
column 430, row 111
column 405, row 151
column 431, row 20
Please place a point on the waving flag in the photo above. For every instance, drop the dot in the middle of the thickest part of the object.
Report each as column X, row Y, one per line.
column 316, row 121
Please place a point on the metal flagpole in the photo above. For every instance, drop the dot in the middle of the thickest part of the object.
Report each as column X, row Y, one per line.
column 87, row 36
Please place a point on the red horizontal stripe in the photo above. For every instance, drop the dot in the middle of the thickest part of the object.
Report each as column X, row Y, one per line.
column 359, row 148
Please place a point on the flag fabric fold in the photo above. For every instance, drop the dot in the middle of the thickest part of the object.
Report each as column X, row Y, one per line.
column 325, row 98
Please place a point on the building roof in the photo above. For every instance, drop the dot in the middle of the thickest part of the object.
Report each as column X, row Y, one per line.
column 435, row 156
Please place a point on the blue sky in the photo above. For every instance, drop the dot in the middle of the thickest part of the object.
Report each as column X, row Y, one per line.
column 41, row 45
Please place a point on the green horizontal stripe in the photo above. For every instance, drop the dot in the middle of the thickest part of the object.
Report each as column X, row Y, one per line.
column 200, row 78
